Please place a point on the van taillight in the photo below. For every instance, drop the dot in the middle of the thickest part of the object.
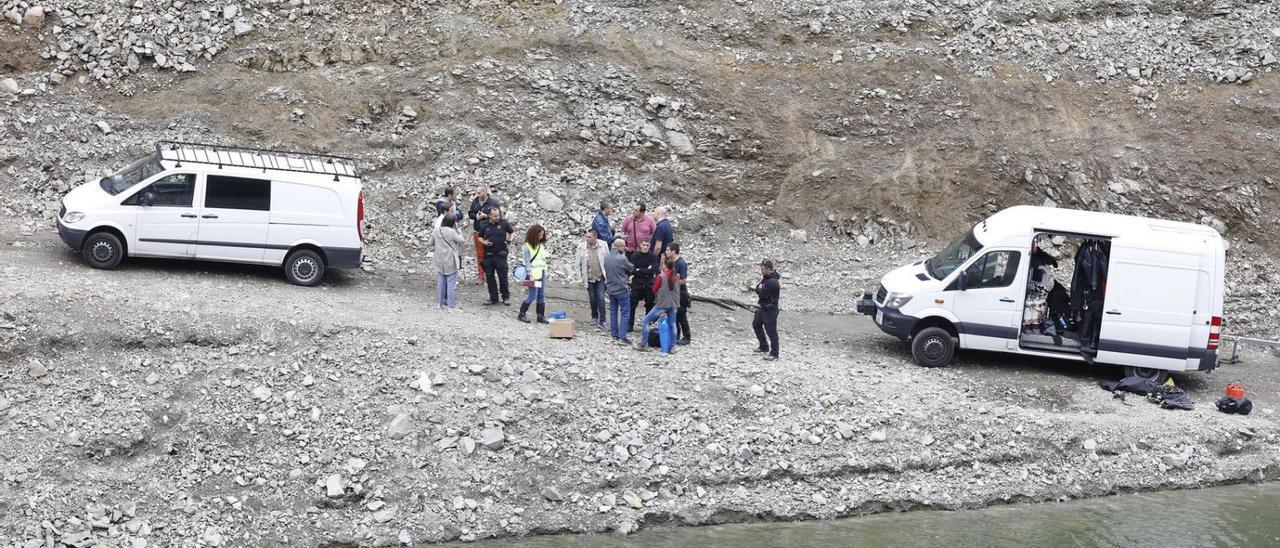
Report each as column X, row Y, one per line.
column 360, row 217
column 1215, row 333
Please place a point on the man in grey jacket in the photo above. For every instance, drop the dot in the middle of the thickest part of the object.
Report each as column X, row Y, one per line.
column 617, row 278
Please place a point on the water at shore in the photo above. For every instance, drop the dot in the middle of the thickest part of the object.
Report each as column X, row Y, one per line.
column 1246, row 515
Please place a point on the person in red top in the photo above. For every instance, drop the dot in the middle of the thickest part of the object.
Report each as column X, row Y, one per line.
column 638, row 227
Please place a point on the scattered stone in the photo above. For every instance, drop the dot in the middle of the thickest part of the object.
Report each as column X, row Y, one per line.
column 34, row 17
column 400, row 426
column 262, row 393
column 242, row 27
column 549, row 201
column 36, row 370
column 757, row 391
column 680, row 143
column 334, row 486
column 877, row 436
column 385, row 515
column 492, row 438
column 10, row 85
column 1090, row 444
column 104, row 127
column 632, row 499
column 552, row 494
column 467, row 445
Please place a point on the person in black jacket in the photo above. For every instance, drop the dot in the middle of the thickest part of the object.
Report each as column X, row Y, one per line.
column 766, row 320
column 495, row 233
column 641, row 281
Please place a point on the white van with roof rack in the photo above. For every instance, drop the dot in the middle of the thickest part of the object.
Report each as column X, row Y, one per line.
column 303, row 212
column 1145, row 294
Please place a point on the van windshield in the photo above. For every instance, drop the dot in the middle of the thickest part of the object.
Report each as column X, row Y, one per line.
column 138, row 171
column 954, row 255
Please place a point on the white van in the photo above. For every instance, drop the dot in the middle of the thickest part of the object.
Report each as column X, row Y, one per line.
column 1141, row 293
column 303, row 212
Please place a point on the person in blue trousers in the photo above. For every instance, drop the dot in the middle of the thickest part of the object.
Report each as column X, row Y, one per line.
column 666, row 301
column 535, row 263
column 617, row 275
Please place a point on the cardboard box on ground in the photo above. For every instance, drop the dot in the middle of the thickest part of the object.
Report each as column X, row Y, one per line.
column 560, row 329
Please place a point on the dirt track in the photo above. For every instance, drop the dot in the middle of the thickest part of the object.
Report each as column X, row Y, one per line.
column 150, row 405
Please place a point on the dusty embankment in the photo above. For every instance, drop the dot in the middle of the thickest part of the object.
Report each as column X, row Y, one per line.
column 189, row 403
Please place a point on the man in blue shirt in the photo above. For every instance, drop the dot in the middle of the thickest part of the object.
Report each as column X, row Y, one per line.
column 663, row 234
column 682, row 314
column 601, row 224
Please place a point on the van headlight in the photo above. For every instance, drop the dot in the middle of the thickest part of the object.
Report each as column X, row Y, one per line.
column 73, row 217
column 897, row 300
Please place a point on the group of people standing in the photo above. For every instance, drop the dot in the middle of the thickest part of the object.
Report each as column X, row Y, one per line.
column 639, row 264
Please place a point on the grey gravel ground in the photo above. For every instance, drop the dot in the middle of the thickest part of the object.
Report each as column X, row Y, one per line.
column 194, row 404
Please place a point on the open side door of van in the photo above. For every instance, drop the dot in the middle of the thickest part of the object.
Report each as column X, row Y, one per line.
column 1149, row 308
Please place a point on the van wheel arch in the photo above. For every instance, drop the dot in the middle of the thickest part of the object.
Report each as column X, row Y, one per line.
column 319, row 251
column 935, row 321
column 124, row 242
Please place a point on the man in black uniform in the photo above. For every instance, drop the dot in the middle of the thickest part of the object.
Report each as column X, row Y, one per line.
column 766, row 320
column 495, row 233
column 641, row 281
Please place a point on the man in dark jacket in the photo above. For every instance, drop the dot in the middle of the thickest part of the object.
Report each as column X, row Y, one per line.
column 646, row 267
column 766, row 320
column 495, row 234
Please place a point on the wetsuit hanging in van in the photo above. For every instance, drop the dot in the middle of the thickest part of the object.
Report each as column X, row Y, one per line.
column 1088, row 288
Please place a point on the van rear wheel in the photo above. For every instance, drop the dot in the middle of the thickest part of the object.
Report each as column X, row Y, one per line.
column 102, row 250
column 933, row 347
column 304, row 267
column 1157, row 376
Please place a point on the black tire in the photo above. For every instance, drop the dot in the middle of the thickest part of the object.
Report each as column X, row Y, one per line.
column 304, row 267
column 933, row 347
column 1157, row 376
column 102, row 250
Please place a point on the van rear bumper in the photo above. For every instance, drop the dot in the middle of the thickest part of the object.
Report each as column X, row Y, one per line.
column 71, row 236
column 342, row 257
column 1208, row 361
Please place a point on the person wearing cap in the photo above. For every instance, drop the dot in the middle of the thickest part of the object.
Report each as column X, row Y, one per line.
column 681, row 268
column 766, row 320
column 638, row 227
column 601, row 224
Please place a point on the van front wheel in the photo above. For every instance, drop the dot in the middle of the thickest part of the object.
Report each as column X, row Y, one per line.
column 102, row 250
column 304, row 267
column 933, row 347
column 1157, row 376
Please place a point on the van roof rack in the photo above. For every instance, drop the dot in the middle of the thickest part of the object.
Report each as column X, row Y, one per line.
column 258, row 158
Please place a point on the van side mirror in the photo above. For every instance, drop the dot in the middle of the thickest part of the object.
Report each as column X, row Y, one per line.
column 148, row 198
column 963, row 280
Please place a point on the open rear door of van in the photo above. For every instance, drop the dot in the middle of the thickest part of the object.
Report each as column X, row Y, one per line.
column 1149, row 308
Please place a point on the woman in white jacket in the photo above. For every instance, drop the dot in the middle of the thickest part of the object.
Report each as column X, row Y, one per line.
column 448, row 252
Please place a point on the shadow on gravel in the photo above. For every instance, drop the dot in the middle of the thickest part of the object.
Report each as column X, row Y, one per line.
column 263, row 273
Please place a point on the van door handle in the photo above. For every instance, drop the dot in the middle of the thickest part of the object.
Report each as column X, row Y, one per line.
column 208, row 216
column 189, row 215
column 1006, row 300
column 1113, row 312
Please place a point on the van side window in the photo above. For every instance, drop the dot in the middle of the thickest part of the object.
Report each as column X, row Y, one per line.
column 176, row 190
column 995, row 269
column 224, row 192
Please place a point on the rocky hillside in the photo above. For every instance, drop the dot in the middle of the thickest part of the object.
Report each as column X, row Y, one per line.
column 837, row 137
